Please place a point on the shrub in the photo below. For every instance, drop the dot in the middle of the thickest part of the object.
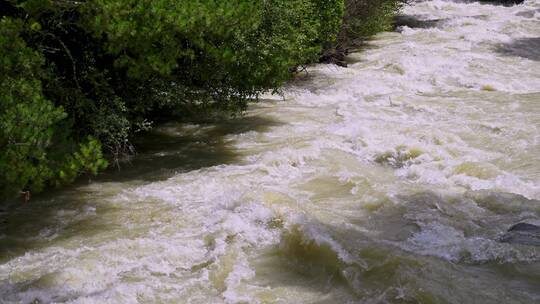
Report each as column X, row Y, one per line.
column 82, row 77
column 364, row 18
column 110, row 68
column 214, row 53
column 331, row 13
column 361, row 20
column 29, row 123
column 27, row 118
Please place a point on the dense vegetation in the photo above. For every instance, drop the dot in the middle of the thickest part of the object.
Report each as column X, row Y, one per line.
column 79, row 79
column 362, row 18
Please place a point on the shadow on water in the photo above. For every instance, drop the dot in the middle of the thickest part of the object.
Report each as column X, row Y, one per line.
column 42, row 295
column 173, row 148
column 528, row 48
column 45, row 220
column 58, row 216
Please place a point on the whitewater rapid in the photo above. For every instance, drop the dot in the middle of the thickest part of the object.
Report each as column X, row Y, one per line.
column 390, row 181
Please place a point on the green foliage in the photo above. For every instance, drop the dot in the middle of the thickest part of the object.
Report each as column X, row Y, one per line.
column 151, row 37
column 88, row 160
column 27, row 118
column 215, row 53
column 30, row 124
column 364, row 18
column 331, row 14
column 361, row 20
column 81, row 77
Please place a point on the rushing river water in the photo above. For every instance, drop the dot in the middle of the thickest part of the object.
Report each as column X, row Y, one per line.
column 390, row 181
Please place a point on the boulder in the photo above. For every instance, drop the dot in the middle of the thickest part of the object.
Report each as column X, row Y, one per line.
column 503, row 2
column 523, row 234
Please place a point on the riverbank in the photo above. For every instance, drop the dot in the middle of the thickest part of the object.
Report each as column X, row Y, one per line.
column 81, row 80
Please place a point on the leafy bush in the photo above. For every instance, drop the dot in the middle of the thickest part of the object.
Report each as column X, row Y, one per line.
column 331, row 13
column 110, row 68
column 361, row 20
column 82, row 77
column 27, row 118
column 221, row 53
column 364, row 18
column 87, row 160
column 29, row 123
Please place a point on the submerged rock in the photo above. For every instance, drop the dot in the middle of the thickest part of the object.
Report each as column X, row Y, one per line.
column 522, row 233
column 528, row 14
column 503, row 2
column 417, row 22
column 524, row 227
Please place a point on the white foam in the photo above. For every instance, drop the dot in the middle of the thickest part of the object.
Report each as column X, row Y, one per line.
column 444, row 92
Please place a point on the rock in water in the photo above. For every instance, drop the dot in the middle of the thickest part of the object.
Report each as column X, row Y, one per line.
column 522, row 233
column 503, row 2
column 524, row 227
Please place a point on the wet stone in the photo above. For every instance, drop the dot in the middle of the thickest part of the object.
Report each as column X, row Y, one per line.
column 528, row 14
column 524, row 227
column 523, row 234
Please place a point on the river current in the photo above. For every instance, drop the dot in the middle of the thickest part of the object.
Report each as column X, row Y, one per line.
column 390, row 181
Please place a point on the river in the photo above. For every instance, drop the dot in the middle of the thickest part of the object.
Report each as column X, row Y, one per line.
column 390, row 181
